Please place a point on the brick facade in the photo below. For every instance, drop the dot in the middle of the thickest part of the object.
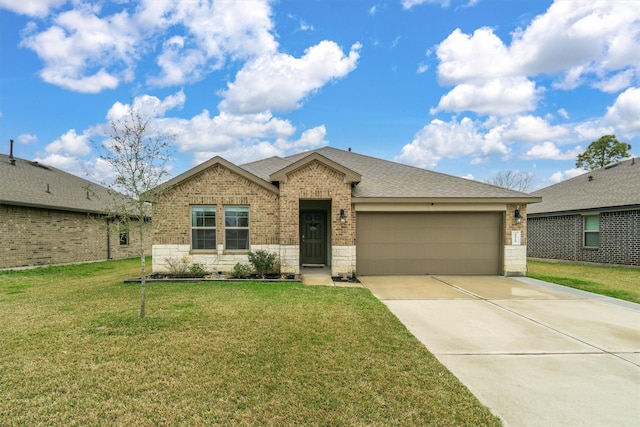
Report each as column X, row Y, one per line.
column 33, row 237
column 561, row 237
column 275, row 218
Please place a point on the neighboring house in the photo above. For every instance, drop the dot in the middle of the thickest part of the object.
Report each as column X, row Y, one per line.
column 594, row 217
column 48, row 217
column 351, row 212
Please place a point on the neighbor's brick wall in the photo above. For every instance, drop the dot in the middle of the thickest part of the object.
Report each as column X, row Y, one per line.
column 561, row 237
column 316, row 181
column 33, row 237
column 215, row 186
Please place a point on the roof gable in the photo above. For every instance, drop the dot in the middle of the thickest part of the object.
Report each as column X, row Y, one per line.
column 217, row 160
column 349, row 175
column 615, row 185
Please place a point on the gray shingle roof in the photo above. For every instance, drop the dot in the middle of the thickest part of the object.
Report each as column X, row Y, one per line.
column 26, row 183
column 386, row 179
column 615, row 185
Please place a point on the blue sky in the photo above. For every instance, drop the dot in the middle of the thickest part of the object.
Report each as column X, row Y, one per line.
column 466, row 87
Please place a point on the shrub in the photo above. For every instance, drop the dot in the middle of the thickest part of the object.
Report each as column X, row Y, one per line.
column 197, row 270
column 262, row 261
column 241, row 271
column 178, row 267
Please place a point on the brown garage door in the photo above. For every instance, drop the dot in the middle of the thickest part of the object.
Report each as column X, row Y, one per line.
column 428, row 243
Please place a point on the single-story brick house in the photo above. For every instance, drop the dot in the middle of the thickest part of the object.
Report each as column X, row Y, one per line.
column 354, row 213
column 594, row 217
column 50, row 217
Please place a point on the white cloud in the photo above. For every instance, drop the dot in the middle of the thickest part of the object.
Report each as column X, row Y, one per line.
column 564, row 175
column 624, row 114
column 280, row 82
column 35, row 8
column 148, row 106
column 422, row 68
column 80, row 46
column 65, row 162
column 593, row 43
column 70, row 144
column 373, row 9
column 563, row 113
column 501, row 97
column 27, row 138
column 549, row 150
column 532, row 129
column 408, row 4
column 453, row 139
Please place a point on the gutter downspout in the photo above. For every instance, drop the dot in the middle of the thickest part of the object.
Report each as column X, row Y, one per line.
column 108, row 238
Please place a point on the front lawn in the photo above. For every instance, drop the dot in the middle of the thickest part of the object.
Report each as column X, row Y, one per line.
column 613, row 281
column 74, row 352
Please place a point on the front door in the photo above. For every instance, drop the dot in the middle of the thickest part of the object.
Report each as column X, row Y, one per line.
column 313, row 238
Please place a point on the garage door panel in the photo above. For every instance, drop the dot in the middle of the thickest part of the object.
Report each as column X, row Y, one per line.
column 428, row 243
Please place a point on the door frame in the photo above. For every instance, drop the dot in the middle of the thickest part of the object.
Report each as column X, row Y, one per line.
column 325, row 237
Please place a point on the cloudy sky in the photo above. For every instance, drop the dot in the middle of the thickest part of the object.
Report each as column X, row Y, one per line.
column 465, row 87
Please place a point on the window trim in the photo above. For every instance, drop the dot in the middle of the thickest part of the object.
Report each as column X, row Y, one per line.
column 192, row 208
column 248, row 228
column 585, row 232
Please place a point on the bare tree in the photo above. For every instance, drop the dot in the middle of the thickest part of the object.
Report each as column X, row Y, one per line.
column 514, row 180
column 138, row 154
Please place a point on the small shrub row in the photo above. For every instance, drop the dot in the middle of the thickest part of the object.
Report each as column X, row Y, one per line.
column 262, row 263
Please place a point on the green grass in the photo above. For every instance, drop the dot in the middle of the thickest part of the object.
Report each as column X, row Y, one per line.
column 75, row 352
column 613, row 281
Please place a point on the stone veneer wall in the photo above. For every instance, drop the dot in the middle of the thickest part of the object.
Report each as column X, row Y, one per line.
column 215, row 186
column 34, row 237
column 561, row 237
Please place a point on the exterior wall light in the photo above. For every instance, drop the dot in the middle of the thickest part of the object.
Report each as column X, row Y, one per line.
column 517, row 215
column 343, row 216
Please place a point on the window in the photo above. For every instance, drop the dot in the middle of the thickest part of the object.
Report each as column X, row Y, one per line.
column 592, row 231
column 203, row 227
column 236, row 227
column 124, row 235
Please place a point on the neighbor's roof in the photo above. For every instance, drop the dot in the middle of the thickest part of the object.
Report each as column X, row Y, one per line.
column 616, row 185
column 26, row 184
column 383, row 179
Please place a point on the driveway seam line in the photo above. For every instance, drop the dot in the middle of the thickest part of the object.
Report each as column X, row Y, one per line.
column 533, row 320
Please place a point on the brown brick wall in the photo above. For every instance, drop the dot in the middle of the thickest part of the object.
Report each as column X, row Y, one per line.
column 316, row 181
column 32, row 237
column 511, row 223
column 216, row 186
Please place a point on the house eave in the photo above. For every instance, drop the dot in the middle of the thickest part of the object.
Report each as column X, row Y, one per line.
column 449, row 200
column 585, row 211
column 49, row 207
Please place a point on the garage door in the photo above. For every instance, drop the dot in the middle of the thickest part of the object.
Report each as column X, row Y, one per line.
column 428, row 243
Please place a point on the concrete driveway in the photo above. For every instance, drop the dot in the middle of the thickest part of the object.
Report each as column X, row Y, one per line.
column 535, row 353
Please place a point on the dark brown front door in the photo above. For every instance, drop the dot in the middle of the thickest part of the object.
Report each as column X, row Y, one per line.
column 313, row 238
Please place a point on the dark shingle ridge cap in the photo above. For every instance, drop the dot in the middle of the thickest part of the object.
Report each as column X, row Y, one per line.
column 616, row 184
column 25, row 184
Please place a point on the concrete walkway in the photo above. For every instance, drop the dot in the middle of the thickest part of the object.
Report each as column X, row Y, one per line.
column 535, row 353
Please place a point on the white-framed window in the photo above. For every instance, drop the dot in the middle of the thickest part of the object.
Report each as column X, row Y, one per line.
column 591, row 231
column 236, row 227
column 203, row 227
